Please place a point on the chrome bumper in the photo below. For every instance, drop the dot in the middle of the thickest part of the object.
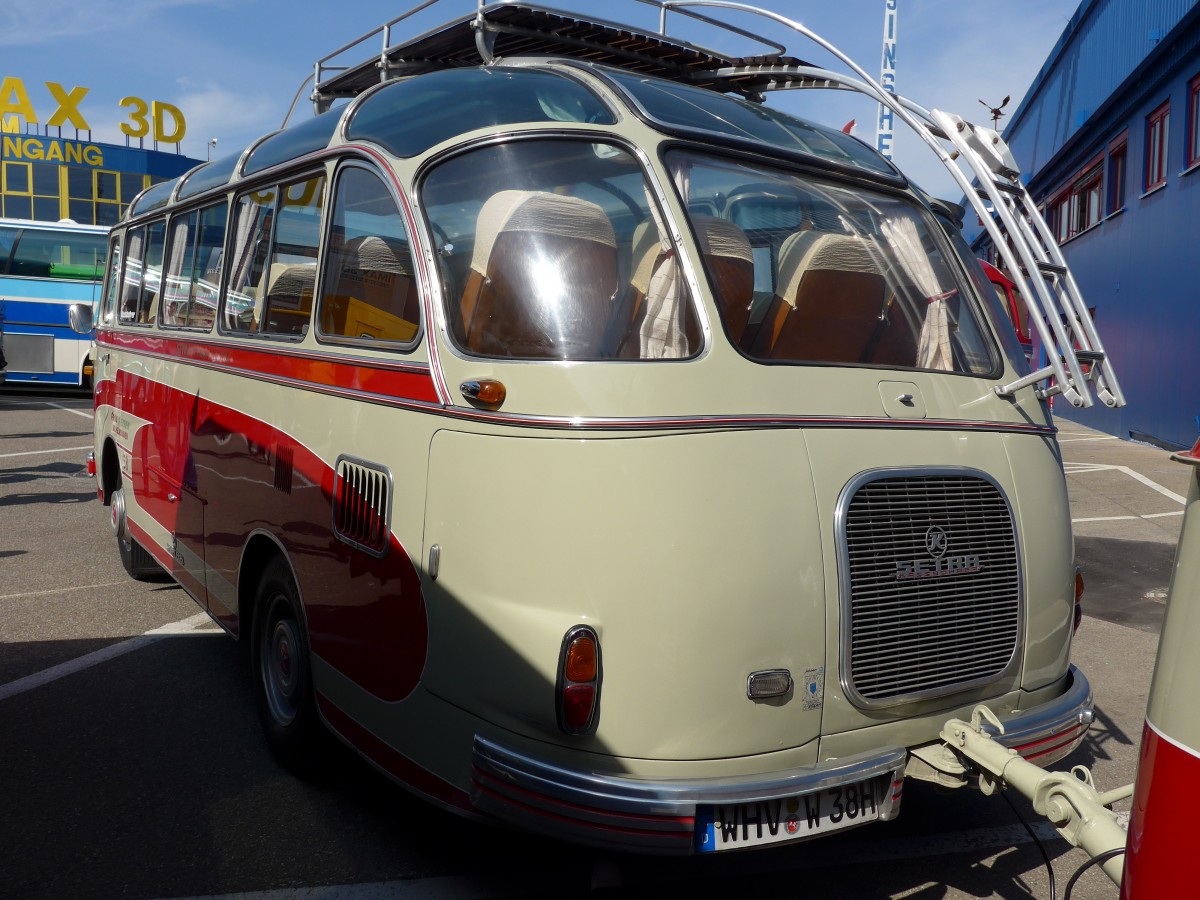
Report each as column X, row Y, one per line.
column 1047, row 733
column 639, row 815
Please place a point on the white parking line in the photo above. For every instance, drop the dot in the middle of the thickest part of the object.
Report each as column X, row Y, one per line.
column 70, row 667
column 1084, row 468
column 44, row 452
column 86, row 413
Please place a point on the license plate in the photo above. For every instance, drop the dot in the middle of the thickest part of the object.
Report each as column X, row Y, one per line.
column 740, row 825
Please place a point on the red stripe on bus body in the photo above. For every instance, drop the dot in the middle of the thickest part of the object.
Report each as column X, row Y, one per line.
column 406, row 381
column 1162, row 828
column 366, row 615
column 391, row 761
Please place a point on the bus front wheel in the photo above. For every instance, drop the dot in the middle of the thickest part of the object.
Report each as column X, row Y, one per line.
column 283, row 673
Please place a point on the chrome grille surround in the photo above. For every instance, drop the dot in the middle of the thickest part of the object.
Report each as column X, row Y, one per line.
column 912, row 628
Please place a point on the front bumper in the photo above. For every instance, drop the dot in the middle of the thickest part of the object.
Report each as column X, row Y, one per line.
column 659, row 816
column 639, row 815
column 1047, row 733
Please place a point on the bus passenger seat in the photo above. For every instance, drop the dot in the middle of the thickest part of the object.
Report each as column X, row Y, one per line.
column 828, row 304
column 372, row 293
column 730, row 264
column 543, row 278
column 288, row 298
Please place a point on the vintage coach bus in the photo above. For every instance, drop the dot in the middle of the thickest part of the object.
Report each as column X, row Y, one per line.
column 595, row 448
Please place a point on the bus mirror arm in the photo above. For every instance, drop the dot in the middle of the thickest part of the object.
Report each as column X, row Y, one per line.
column 1069, row 800
column 80, row 316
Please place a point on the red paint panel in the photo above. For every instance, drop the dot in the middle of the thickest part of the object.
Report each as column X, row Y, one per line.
column 366, row 616
column 1162, row 830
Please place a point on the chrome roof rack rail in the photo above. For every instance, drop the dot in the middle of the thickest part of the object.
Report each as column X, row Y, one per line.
column 992, row 184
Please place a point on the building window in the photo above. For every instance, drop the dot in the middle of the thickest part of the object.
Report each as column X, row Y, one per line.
column 1086, row 198
column 1077, row 207
column 1193, row 148
column 1117, row 158
column 1156, row 146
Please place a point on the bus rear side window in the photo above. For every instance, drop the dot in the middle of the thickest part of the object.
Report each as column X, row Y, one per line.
column 369, row 292
column 194, row 268
column 143, row 274
column 274, row 265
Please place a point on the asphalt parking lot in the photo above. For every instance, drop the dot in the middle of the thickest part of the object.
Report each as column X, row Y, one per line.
column 131, row 763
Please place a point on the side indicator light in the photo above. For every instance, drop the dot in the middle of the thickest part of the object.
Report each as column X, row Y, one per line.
column 485, row 393
column 578, row 689
column 768, row 683
column 91, row 464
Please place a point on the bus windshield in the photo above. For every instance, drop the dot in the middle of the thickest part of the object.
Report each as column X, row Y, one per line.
column 837, row 275
column 552, row 249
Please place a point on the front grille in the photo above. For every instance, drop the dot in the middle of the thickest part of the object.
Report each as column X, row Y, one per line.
column 933, row 603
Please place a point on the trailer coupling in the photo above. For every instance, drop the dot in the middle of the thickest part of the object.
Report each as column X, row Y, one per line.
column 1069, row 800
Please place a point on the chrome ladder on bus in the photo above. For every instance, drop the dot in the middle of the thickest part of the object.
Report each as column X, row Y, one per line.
column 1004, row 206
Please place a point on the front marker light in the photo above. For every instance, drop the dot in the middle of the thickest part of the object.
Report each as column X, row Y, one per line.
column 578, row 689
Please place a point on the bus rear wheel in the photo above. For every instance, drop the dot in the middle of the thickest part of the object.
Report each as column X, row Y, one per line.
column 135, row 558
column 282, row 671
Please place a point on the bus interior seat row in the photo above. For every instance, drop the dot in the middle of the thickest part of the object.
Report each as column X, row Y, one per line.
column 543, row 283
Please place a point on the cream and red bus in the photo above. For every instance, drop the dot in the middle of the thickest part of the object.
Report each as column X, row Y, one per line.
column 593, row 447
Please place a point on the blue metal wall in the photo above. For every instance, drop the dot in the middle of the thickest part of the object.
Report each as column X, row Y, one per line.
column 1140, row 267
column 1104, row 43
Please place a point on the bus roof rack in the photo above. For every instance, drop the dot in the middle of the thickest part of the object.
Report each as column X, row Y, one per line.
column 512, row 28
column 977, row 158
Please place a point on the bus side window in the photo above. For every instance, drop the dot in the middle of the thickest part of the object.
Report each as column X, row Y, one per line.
column 131, row 282
column 369, row 292
column 242, row 306
column 112, row 282
column 291, row 277
column 147, row 309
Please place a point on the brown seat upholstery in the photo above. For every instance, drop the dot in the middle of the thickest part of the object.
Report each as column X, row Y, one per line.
column 730, row 264
column 832, row 305
column 372, row 293
column 542, row 281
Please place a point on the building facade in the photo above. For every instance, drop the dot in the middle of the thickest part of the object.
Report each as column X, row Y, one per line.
column 48, row 178
column 1109, row 136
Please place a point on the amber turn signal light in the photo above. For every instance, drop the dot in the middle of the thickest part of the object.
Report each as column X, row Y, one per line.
column 486, row 393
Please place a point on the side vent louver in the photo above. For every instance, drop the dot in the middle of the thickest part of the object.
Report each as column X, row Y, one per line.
column 283, row 469
column 362, row 505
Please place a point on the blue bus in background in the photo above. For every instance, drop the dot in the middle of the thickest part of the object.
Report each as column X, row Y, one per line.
column 45, row 269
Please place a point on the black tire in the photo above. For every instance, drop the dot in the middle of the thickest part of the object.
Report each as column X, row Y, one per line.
column 136, row 559
column 281, row 667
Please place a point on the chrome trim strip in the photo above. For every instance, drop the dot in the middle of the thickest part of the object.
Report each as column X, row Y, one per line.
column 680, row 797
column 1073, row 707
column 845, row 598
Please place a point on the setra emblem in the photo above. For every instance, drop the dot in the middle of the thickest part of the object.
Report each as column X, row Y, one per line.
column 936, row 541
column 938, row 564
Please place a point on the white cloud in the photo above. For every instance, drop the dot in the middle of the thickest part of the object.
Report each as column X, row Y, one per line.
column 30, row 23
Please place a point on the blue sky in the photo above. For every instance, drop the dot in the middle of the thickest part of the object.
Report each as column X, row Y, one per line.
column 233, row 66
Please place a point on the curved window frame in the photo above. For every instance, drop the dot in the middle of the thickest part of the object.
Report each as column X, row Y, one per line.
column 403, row 210
column 839, row 179
column 652, row 182
column 278, row 184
